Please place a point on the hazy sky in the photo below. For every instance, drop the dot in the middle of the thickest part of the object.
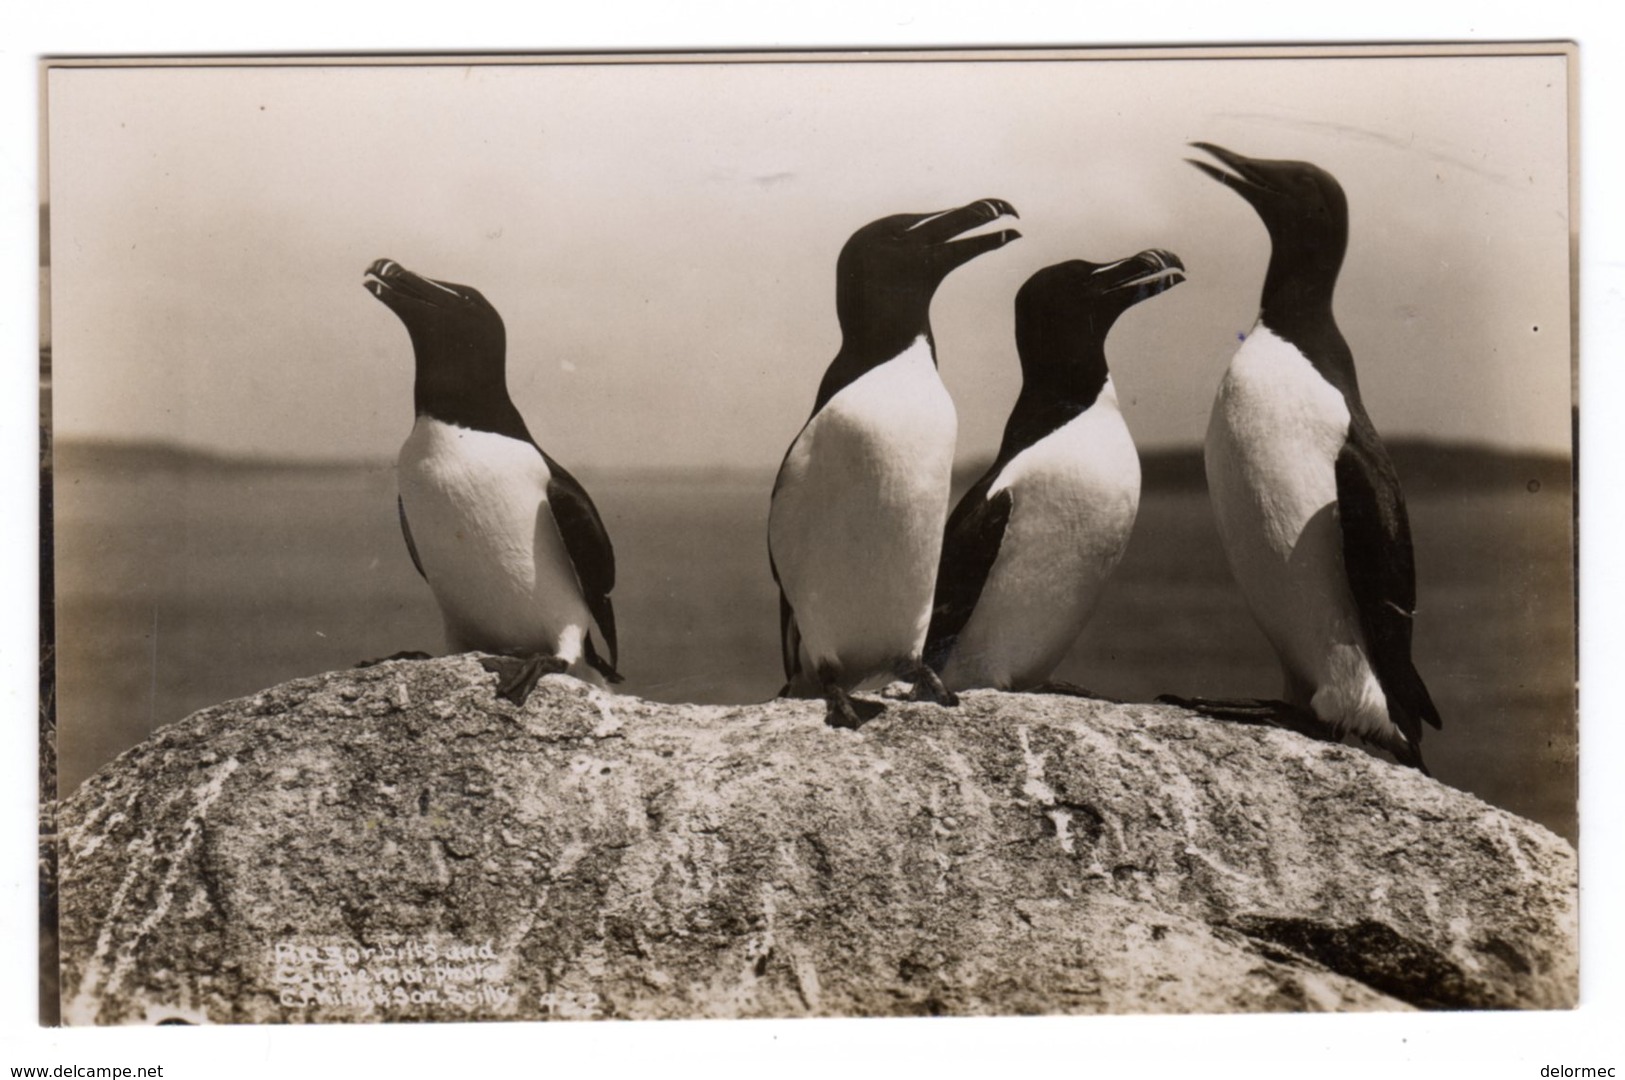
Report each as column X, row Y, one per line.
column 661, row 238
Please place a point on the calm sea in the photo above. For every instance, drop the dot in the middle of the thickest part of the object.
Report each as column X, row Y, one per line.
column 183, row 582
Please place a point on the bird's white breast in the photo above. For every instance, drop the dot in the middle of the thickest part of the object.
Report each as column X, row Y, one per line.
column 1272, row 446
column 1074, row 496
column 476, row 503
column 1273, row 440
column 856, row 523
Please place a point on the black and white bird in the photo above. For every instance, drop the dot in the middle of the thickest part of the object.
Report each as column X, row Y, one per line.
column 1308, row 504
column 855, row 527
column 1031, row 545
column 510, row 544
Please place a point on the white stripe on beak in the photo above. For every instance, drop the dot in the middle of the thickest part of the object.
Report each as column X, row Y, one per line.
column 926, row 220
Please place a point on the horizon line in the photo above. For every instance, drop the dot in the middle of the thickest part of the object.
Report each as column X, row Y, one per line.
column 116, row 445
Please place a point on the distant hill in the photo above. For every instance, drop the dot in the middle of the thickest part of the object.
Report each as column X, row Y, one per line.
column 108, row 455
column 1423, row 466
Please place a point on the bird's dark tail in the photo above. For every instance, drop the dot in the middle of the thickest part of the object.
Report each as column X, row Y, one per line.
column 599, row 664
column 1420, row 702
column 1409, row 706
column 1409, row 753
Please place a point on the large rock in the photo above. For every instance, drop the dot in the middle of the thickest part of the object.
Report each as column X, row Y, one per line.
column 395, row 843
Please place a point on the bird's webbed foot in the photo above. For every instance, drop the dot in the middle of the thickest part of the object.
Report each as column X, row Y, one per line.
column 517, row 676
column 846, row 711
column 927, row 684
column 841, row 712
column 1262, row 712
column 409, row 654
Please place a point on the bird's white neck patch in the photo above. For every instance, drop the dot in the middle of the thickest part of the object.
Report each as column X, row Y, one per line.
column 1274, row 389
column 1074, row 440
column 916, row 356
column 889, row 393
column 465, row 449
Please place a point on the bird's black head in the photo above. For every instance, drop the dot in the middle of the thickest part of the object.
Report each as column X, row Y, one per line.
column 890, row 269
column 1302, row 206
column 459, row 344
column 443, row 319
column 1064, row 312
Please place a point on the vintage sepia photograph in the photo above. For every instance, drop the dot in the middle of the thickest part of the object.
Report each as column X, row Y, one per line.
column 1025, row 532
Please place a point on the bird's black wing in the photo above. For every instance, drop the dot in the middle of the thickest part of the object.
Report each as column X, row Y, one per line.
column 406, row 531
column 587, row 543
column 970, row 547
column 1382, row 572
column 789, row 634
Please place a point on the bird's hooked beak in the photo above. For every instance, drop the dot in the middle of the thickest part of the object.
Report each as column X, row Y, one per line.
column 943, row 231
column 391, row 282
column 1144, row 275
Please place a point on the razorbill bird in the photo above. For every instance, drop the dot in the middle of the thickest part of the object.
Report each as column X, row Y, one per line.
column 1031, row 545
column 1308, row 504
column 855, row 526
column 510, row 544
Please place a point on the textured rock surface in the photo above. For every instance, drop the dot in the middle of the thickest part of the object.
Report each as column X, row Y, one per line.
column 397, row 844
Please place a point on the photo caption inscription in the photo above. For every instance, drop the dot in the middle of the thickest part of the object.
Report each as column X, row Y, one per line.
column 427, row 971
